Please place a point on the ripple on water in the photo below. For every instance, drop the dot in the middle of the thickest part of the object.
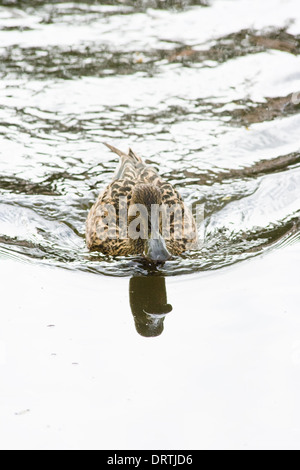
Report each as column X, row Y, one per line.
column 206, row 94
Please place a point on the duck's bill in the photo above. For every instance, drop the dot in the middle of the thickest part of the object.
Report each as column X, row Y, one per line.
column 156, row 250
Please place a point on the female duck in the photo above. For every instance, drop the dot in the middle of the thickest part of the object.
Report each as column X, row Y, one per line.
column 140, row 214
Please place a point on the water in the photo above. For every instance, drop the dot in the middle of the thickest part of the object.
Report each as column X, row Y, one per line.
column 206, row 91
column 203, row 91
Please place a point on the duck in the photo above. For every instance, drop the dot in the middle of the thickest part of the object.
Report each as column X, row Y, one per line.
column 140, row 214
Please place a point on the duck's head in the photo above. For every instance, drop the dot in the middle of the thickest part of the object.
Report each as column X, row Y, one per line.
column 145, row 214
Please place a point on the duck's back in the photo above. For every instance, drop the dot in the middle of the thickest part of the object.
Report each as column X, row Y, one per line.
column 133, row 168
column 133, row 171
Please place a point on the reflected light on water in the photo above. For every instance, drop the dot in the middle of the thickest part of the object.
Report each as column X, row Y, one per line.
column 216, row 114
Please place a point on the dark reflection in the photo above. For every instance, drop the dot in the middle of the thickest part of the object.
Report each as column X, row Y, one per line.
column 20, row 186
column 236, row 44
column 148, row 302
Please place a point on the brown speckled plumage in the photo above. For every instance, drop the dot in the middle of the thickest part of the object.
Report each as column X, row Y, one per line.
column 139, row 183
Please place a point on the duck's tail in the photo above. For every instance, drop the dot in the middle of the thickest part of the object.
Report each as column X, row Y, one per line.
column 131, row 154
column 130, row 164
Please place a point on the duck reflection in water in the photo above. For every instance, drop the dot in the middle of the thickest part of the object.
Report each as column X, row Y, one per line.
column 148, row 302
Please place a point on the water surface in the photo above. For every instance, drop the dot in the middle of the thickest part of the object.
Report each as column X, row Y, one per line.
column 202, row 90
column 207, row 92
